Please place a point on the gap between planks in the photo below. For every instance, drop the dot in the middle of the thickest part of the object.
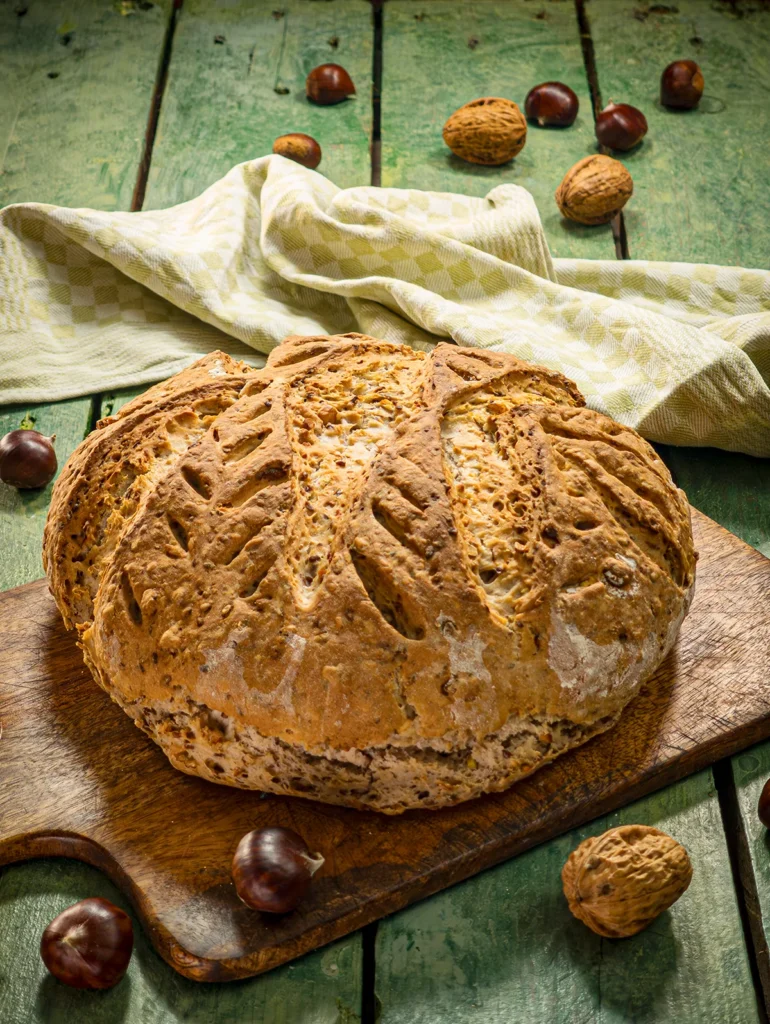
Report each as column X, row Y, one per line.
column 376, row 145
column 143, row 173
column 745, row 884
column 618, row 223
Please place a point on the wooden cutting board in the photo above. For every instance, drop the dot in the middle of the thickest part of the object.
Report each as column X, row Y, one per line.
column 77, row 779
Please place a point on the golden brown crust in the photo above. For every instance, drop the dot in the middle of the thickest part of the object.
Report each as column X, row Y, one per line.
column 107, row 477
column 386, row 579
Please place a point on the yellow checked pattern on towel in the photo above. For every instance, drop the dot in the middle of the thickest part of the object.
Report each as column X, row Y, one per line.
column 92, row 300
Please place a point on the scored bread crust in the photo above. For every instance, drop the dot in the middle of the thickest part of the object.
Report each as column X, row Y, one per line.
column 369, row 575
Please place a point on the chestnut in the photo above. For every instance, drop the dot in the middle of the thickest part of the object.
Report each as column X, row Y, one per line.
column 302, row 149
column 27, row 459
column 763, row 809
column 272, row 868
column 328, row 84
column 89, row 944
column 681, row 85
column 620, row 126
column 551, row 103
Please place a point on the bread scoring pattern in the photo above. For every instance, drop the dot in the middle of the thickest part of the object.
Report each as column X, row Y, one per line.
column 370, row 575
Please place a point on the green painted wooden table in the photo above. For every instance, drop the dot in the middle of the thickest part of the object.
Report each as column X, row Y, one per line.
column 122, row 103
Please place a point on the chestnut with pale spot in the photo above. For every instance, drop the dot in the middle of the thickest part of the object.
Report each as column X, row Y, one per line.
column 273, row 868
column 552, row 104
column 89, row 944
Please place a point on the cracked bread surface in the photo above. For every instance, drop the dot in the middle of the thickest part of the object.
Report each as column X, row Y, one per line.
column 366, row 574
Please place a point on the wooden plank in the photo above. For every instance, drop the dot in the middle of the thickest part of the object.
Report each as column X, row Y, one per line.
column 751, row 771
column 708, row 699
column 441, row 54
column 76, row 80
column 22, row 513
column 319, row 989
column 700, row 177
column 237, row 81
column 505, row 948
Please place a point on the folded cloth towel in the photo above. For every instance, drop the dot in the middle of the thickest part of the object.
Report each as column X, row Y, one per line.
column 92, row 300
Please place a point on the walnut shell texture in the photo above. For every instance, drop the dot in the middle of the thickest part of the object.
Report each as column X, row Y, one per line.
column 366, row 574
column 594, row 190
column 619, row 882
column 488, row 131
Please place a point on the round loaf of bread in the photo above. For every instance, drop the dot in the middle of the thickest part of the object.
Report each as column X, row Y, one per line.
column 369, row 575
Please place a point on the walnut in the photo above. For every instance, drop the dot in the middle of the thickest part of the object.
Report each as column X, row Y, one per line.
column 619, row 882
column 594, row 190
column 488, row 131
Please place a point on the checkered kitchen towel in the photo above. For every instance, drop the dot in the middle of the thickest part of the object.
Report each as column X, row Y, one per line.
column 92, row 300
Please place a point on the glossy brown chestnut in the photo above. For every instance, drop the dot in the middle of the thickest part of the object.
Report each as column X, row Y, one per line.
column 552, row 103
column 328, row 84
column 27, row 459
column 681, row 85
column 302, row 149
column 620, row 126
column 272, row 869
column 763, row 809
column 89, row 944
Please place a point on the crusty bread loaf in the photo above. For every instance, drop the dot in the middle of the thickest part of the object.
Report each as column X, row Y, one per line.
column 368, row 575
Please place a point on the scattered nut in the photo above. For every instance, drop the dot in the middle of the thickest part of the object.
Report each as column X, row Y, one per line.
column 489, row 131
column 552, row 103
column 328, row 84
column 620, row 126
column 301, row 148
column 681, row 85
column 594, row 190
column 27, row 459
column 272, row 869
column 619, row 882
column 89, row 944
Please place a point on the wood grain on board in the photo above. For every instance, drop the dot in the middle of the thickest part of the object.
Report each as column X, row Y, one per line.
column 528, row 42
column 81, row 781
